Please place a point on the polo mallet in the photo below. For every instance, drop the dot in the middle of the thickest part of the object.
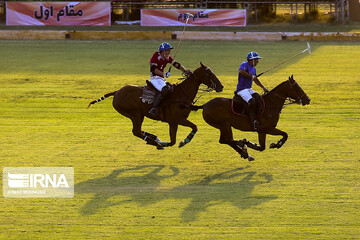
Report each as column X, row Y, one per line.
column 306, row 50
column 188, row 15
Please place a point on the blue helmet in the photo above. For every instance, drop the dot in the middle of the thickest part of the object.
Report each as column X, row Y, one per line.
column 165, row 46
column 253, row 55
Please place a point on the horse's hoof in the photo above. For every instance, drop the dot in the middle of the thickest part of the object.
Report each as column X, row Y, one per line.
column 160, row 148
column 273, row 145
column 181, row 144
column 250, row 158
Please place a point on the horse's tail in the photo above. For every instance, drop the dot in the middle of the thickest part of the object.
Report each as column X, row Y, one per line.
column 195, row 108
column 102, row 98
column 192, row 107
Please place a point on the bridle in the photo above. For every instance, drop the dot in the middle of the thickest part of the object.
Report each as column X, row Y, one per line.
column 291, row 101
column 213, row 85
column 210, row 88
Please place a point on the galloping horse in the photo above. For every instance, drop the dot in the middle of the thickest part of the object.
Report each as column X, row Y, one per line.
column 128, row 102
column 219, row 114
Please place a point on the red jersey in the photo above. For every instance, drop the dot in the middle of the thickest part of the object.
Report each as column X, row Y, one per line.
column 159, row 62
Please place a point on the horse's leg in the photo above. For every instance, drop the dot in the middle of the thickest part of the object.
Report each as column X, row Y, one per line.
column 262, row 139
column 137, row 122
column 226, row 137
column 154, row 137
column 281, row 142
column 172, row 131
column 194, row 128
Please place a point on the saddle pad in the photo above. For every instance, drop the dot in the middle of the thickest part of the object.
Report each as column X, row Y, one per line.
column 148, row 94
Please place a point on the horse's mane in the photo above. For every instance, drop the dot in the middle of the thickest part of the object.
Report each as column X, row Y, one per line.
column 275, row 89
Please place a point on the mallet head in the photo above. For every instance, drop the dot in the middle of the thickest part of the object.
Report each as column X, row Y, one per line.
column 309, row 49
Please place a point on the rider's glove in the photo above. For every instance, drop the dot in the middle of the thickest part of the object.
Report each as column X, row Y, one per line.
column 189, row 73
column 167, row 74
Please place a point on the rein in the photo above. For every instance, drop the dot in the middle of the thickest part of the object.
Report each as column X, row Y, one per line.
column 204, row 91
column 291, row 101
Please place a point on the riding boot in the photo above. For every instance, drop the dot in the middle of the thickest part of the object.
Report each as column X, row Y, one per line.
column 154, row 110
column 165, row 92
column 252, row 116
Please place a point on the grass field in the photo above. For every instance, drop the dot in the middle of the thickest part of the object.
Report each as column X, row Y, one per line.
column 125, row 189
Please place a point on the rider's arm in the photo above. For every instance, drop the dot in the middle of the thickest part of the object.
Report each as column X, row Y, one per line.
column 155, row 71
column 179, row 66
column 158, row 72
column 254, row 78
column 245, row 74
column 257, row 81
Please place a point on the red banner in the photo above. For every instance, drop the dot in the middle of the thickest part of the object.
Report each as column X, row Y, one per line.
column 58, row 13
column 197, row 17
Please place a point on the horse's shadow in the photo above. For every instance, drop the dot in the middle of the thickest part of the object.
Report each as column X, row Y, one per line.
column 138, row 184
column 142, row 185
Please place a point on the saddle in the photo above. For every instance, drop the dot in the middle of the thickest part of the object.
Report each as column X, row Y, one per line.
column 149, row 93
column 240, row 106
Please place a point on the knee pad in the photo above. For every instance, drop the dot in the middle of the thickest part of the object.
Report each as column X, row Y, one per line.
column 252, row 104
column 257, row 97
column 251, row 101
column 166, row 90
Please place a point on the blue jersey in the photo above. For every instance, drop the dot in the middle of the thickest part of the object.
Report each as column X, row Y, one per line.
column 244, row 82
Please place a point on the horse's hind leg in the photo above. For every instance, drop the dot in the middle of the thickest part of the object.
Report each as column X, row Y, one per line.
column 152, row 136
column 255, row 146
column 148, row 137
column 226, row 137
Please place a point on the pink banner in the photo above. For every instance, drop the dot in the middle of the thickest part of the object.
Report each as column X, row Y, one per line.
column 199, row 17
column 58, row 13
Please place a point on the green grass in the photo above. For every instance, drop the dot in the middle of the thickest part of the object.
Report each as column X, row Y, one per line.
column 125, row 189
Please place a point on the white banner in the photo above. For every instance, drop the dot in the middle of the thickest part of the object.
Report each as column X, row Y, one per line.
column 58, row 13
column 198, row 17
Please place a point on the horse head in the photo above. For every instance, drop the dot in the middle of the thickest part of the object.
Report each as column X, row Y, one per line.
column 297, row 93
column 207, row 77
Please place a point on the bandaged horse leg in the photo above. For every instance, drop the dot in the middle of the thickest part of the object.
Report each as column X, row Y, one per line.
column 282, row 141
column 241, row 149
column 226, row 137
column 137, row 122
column 194, row 128
column 253, row 145
column 151, row 141
column 154, row 137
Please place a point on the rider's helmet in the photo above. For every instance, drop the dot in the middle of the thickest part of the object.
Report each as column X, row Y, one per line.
column 253, row 55
column 165, row 46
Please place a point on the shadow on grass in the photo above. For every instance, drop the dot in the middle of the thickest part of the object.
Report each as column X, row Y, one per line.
column 142, row 185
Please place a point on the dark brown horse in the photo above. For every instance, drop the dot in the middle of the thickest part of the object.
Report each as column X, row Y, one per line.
column 218, row 113
column 128, row 102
